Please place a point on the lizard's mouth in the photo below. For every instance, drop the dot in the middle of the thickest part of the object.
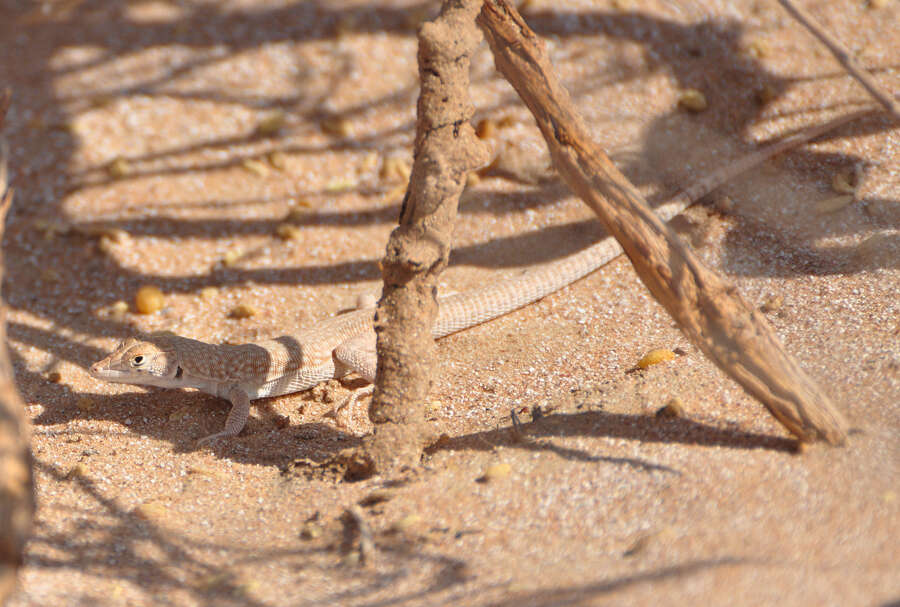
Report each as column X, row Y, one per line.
column 99, row 371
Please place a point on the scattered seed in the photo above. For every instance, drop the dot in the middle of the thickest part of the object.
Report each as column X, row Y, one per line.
column 208, row 293
column 654, row 357
column 472, row 179
column 692, row 100
column 54, row 376
column 149, row 299
column 277, row 159
column 833, row 204
column 758, row 49
column 271, row 124
column 50, row 275
column 432, row 409
column 287, row 231
column 772, row 304
column 77, row 471
column 179, row 414
column 843, row 182
column 486, row 128
column 340, row 184
column 336, row 126
column 378, row 496
column 119, row 168
column 766, row 94
column 151, row 511
column 242, row 311
column 674, row 408
column 877, row 4
column 256, row 167
column 311, row 531
column 395, row 168
column 495, row 472
column 406, row 523
column 85, row 403
column 369, row 162
column 231, row 257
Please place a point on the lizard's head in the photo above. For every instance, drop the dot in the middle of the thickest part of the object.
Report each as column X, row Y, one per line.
column 147, row 362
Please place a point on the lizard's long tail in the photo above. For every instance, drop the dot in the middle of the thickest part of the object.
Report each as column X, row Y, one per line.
column 463, row 310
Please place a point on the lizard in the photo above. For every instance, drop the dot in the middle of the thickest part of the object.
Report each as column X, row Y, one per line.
column 345, row 343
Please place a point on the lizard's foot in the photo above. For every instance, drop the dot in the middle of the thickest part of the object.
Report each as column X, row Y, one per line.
column 349, row 404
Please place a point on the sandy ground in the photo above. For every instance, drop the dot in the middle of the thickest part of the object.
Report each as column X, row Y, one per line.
column 165, row 142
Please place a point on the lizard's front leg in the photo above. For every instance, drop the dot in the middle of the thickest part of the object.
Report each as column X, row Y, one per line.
column 237, row 417
column 358, row 354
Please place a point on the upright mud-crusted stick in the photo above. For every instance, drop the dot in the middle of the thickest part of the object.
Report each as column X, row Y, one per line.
column 708, row 309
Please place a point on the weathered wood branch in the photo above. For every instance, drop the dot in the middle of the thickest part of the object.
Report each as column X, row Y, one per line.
column 16, row 480
column 844, row 57
column 708, row 309
column 446, row 150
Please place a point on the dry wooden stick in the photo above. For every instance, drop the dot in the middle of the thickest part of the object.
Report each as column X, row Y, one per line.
column 844, row 57
column 709, row 310
column 16, row 477
column 446, row 150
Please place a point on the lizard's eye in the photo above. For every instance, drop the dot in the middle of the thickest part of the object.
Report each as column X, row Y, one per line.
column 137, row 361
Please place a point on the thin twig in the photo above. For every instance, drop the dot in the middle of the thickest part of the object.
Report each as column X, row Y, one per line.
column 844, row 57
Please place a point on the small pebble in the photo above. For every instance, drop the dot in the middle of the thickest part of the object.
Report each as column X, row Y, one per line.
column 833, row 204
column 151, row 511
column 311, row 531
column 208, row 293
column 149, row 299
column 85, row 403
column 378, row 496
column 773, row 303
column 486, row 128
column 231, row 257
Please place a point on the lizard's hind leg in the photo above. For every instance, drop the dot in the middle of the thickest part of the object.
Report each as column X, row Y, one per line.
column 357, row 355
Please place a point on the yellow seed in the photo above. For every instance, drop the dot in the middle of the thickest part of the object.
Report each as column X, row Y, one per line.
column 336, row 126
column 340, row 185
column 277, row 159
column 833, row 204
column 692, row 100
column 85, row 403
column 148, row 300
column 472, row 179
column 654, row 357
column 179, row 414
column 772, row 304
column 256, row 167
column 77, row 471
column 151, row 511
column 50, row 275
column 242, row 311
column 878, row 4
column 758, row 49
column 406, row 523
column 271, row 124
column 287, row 231
column 208, row 293
column 119, row 168
column 486, row 128
column 311, row 531
column 496, row 472
column 369, row 162
column 118, row 309
column 766, row 94
column 842, row 182
column 394, row 169
column 674, row 408
column 231, row 258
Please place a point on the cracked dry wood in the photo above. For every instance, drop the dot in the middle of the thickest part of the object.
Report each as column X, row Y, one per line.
column 446, row 150
column 708, row 309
